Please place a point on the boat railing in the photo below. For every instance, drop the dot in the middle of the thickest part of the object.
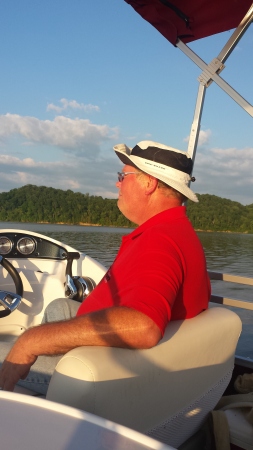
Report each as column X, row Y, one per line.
column 219, row 276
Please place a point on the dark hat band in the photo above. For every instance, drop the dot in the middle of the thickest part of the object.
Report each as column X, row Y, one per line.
column 169, row 158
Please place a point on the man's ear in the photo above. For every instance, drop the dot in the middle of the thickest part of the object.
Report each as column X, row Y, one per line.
column 151, row 184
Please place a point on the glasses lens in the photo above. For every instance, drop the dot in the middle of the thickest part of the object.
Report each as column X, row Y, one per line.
column 120, row 177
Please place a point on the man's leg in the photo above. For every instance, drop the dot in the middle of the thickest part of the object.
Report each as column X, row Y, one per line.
column 60, row 309
column 42, row 370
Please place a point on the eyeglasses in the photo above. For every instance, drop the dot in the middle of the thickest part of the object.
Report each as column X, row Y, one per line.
column 121, row 175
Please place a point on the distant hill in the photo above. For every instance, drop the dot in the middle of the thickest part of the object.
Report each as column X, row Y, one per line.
column 43, row 204
column 220, row 214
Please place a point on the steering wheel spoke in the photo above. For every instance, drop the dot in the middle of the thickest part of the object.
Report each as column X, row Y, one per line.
column 9, row 300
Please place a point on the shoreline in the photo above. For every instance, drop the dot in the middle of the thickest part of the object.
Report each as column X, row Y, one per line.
column 83, row 224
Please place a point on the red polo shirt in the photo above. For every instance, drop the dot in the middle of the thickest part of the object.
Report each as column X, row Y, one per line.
column 160, row 270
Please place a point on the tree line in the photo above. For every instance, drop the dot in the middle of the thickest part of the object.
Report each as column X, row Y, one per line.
column 45, row 204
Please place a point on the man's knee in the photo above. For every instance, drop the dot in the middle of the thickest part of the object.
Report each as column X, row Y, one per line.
column 60, row 309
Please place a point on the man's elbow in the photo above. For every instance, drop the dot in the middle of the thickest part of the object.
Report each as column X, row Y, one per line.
column 151, row 337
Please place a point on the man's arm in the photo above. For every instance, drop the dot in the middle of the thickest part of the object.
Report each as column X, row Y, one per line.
column 112, row 327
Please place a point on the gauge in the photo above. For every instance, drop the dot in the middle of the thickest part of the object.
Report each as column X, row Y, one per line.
column 5, row 245
column 26, row 245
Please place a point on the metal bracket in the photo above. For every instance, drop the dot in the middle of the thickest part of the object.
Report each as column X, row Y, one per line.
column 70, row 289
column 214, row 67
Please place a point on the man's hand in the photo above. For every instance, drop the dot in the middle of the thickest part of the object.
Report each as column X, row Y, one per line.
column 15, row 367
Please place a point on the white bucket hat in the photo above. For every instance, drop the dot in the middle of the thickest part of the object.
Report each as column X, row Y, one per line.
column 167, row 164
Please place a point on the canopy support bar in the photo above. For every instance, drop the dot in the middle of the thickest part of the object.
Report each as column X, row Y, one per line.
column 215, row 77
column 211, row 71
column 236, row 36
column 195, row 128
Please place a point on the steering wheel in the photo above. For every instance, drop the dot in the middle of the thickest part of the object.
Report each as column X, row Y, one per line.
column 9, row 300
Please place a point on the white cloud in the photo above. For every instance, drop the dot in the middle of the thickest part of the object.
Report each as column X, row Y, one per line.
column 72, row 104
column 218, row 171
column 226, row 173
column 96, row 178
column 76, row 134
column 204, row 137
column 13, row 161
column 223, row 172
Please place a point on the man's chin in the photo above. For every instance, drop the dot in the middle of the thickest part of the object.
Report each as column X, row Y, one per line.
column 120, row 206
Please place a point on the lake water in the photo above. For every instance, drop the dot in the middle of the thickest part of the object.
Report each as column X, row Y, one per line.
column 225, row 252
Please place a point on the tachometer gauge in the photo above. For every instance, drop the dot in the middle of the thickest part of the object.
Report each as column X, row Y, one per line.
column 5, row 245
column 26, row 245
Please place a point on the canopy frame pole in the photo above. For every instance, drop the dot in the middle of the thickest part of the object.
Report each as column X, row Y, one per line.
column 236, row 36
column 195, row 128
column 211, row 71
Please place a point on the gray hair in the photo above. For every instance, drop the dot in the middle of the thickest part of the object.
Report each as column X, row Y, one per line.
column 167, row 190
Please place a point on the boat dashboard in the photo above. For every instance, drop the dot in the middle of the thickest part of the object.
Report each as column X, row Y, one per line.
column 37, row 269
column 23, row 245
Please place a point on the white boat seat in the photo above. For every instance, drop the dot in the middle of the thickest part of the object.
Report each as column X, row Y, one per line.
column 166, row 391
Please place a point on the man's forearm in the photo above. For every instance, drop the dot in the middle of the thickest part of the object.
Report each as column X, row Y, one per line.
column 114, row 327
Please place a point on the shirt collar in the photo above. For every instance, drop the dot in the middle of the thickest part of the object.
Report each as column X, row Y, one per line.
column 169, row 214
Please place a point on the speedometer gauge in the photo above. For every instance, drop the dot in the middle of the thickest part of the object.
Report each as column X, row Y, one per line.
column 5, row 245
column 26, row 245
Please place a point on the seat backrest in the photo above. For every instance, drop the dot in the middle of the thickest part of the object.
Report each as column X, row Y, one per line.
column 159, row 391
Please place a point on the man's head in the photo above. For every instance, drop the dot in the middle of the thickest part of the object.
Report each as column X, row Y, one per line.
column 170, row 166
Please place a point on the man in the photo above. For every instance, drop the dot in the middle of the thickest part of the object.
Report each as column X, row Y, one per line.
column 159, row 273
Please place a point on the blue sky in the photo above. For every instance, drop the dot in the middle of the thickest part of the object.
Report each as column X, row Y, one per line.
column 78, row 77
